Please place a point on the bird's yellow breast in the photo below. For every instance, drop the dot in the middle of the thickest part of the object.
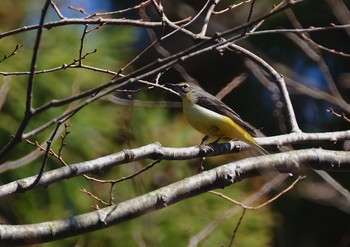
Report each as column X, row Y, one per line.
column 209, row 122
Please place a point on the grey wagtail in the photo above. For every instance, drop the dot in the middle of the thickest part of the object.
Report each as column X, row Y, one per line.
column 212, row 117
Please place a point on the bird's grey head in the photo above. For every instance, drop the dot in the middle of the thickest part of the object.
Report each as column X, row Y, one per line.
column 184, row 87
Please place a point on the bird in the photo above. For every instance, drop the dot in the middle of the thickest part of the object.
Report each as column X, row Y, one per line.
column 212, row 117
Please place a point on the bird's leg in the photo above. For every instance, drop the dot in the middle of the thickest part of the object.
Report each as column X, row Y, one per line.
column 203, row 148
column 204, row 140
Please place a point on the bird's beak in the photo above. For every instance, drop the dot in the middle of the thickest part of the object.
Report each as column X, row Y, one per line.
column 172, row 86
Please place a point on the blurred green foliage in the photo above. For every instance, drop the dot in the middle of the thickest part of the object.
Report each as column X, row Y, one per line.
column 103, row 128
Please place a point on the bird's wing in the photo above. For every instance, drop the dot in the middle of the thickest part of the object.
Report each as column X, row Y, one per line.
column 211, row 103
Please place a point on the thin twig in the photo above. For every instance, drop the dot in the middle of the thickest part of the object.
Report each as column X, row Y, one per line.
column 237, row 226
column 94, row 197
column 232, row 6
column 135, row 7
column 330, row 50
column 80, row 10
column 299, row 30
column 115, row 181
column 14, row 52
column 207, row 18
column 263, row 204
column 58, row 12
column 342, row 115
column 159, row 7
column 82, row 46
column 46, row 156
column 250, row 14
column 63, row 138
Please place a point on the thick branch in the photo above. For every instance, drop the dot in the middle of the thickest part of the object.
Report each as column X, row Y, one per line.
column 219, row 177
column 156, row 151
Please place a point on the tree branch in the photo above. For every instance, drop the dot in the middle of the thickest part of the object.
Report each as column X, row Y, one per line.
column 220, row 177
column 277, row 78
column 29, row 96
column 156, row 151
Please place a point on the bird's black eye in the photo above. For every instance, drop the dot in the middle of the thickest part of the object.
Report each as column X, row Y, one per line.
column 184, row 86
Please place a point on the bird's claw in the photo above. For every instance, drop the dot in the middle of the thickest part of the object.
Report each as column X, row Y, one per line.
column 205, row 149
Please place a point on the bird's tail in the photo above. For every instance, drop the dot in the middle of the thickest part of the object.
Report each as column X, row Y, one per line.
column 251, row 141
column 261, row 149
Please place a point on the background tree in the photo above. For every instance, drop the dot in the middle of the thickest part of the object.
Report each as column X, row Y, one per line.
column 81, row 93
